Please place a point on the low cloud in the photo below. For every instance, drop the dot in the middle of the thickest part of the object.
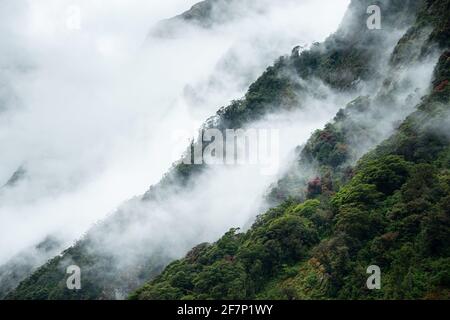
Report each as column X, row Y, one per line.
column 88, row 112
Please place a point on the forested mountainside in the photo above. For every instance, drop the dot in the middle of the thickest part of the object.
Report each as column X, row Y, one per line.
column 267, row 261
column 22, row 264
column 369, row 119
column 391, row 210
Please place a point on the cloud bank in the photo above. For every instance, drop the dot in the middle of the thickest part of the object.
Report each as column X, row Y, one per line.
column 88, row 112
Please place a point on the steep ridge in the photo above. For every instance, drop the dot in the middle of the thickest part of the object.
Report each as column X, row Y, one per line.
column 207, row 14
column 348, row 61
column 390, row 210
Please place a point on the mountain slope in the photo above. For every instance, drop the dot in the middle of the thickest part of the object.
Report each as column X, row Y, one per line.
column 394, row 213
column 391, row 210
column 207, row 14
column 24, row 263
column 348, row 61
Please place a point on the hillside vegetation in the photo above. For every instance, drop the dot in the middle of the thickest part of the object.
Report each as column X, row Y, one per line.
column 394, row 212
column 390, row 208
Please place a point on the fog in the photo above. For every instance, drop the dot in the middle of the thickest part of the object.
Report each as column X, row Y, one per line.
column 392, row 103
column 149, row 234
column 88, row 107
column 222, row 197
column 231, row 196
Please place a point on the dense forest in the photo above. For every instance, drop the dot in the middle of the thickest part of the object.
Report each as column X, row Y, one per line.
column 361, row 199
column 392, row 210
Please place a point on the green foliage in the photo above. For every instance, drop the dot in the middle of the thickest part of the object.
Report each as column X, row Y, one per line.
column 327, row 147
column 393, row 212
column 404, row 228
column 237, row 265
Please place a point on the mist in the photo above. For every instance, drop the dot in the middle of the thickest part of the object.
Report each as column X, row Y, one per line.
column 151, row 233
column 89, row 112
